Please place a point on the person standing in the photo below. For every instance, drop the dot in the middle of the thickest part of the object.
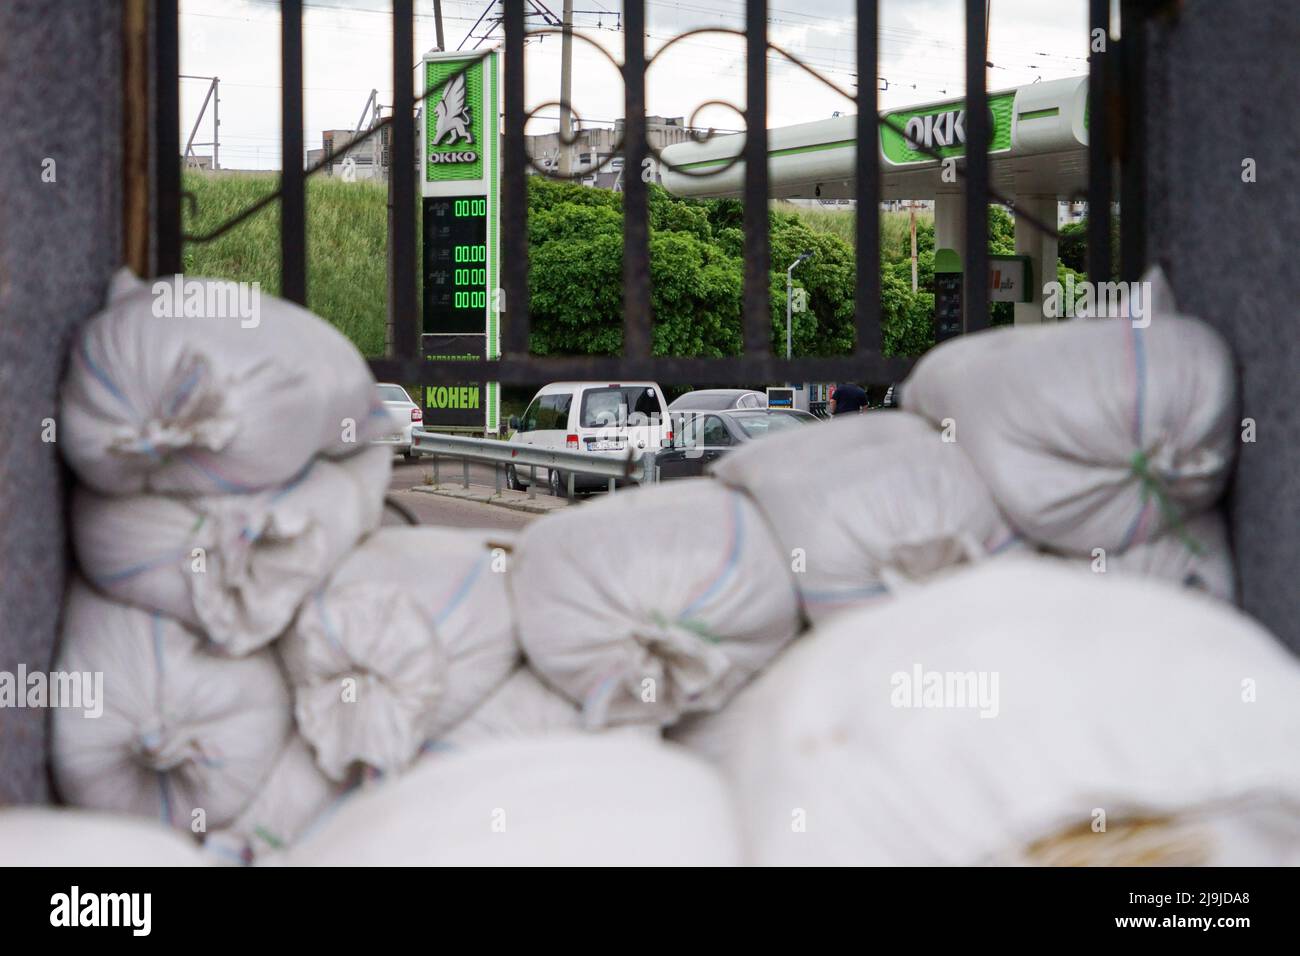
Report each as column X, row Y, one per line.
column 847, row 398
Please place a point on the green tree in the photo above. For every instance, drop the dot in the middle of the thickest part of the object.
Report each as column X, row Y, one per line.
column 697, row 269
column 1072, row 247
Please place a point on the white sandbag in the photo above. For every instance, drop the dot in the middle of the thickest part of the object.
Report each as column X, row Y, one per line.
column 521, row 707
column 156, row 399
column 411, row 632
column 1195, row 555
column 290, row 800
column 716, row 735
column 182, row 730
column 869, row 504
column 654, row 602
column 48, row 836
column 590, row 800
column 234, row 566
column 1089, row 433
column 990, row 714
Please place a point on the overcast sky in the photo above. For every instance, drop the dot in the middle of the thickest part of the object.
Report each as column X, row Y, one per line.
column 347, row 53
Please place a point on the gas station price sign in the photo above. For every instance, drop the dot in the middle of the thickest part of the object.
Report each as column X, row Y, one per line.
column 460, row 186
column 456, row 292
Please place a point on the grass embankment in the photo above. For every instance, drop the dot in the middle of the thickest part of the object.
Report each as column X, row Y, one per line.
column 895, row 227
column 347, row 238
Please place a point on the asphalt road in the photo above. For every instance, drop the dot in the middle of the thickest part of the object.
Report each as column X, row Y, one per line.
column 449, row 512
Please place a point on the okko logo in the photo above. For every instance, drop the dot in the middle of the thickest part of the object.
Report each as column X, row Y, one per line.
column 945, row 690
column 453, row 123
column 181, row 298
column 83, row 690
column 937, row 130
column 74, row 908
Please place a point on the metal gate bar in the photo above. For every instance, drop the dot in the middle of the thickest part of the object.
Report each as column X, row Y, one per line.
column 866, row 301
column 756, row 306
column 401, row 172
column 975, row 297
column 1132, row 183
column 514, row 198
column 167, row 137
column 637, row 315
column 293, row 184
column 1099, row 151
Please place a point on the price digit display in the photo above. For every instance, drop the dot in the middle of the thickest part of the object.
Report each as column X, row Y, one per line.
column 455, row 263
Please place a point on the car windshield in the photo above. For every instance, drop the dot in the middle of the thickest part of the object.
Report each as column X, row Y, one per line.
column 620, row 405
column 393, row 393
column 756, row 426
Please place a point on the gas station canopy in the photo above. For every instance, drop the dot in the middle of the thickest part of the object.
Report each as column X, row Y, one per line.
column 1038, row 155
column 1038, row 146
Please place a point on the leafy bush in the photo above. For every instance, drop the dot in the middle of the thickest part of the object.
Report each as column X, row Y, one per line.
column 697, row 277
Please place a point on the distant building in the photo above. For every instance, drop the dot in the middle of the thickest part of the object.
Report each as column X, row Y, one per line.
column 595, row 157
column 367, row 157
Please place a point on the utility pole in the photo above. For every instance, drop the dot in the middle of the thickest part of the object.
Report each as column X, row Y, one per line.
column 789, row 298
column 390, row 330
column 372, row 101
column 216, row 123
column 566, row 92
column 437, row 22
column 214, row 97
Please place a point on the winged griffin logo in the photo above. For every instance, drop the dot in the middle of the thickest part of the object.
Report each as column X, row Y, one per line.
column 452, row 115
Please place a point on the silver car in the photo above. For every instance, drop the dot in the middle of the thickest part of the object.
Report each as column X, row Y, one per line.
column 403, row 415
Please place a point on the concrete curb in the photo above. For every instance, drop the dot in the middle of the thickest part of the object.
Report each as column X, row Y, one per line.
column 483, row 494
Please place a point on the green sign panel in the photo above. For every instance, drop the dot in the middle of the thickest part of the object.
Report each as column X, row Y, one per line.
column 942, row 128
column 453, row 127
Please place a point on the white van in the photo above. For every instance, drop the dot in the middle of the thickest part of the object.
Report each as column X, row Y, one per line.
column 590, row 416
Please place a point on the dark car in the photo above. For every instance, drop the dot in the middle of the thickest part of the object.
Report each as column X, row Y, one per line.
column 701, row 437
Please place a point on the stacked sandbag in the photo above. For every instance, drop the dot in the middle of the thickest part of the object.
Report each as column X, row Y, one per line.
column 647, row 605
column 1015, row 710
column 185, row 736
column 1195, row 556
column 588, row 800
column 154, row 400
column 294, row 796
column 234, row 566
column 867, row 505
column 522, row 707
column 47, row 836
column 410, row 633
column 1090, row 434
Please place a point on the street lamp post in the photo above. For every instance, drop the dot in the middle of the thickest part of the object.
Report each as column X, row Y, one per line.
column 789, row 297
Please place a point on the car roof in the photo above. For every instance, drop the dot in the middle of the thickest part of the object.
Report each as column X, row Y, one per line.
column 721, row 391
column 571, row 386
column 394, row 385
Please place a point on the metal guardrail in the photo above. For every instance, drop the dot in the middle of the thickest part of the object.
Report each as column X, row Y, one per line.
column 501, row 454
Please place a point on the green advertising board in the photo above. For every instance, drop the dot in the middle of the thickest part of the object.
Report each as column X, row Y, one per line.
column 460, row 189
column 942, row 128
